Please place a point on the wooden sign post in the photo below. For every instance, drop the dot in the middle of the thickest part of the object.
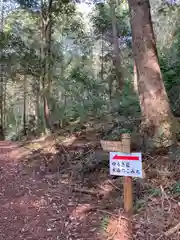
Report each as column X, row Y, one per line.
column 128, row 191
column 127, row 164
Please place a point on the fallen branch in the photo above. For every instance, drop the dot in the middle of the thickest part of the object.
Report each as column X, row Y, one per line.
column 102, row 209
column 86, row 191
column 172, row 230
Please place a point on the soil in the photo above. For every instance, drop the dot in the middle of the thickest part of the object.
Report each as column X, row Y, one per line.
column 40, row 205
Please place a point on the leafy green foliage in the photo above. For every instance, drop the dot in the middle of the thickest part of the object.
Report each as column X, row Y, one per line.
column 167, row 30
column 28, row 3
column 102, row 20
column 81, row 58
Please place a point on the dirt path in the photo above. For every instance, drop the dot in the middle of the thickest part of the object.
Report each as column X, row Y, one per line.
column 33, row 209
column 45, row 207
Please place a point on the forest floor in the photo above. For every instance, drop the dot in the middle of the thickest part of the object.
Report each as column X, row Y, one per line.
column 46, row 194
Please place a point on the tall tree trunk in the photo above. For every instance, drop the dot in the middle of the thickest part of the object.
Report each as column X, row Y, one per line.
column 37, row 103
column 102, row 58
column 42, row 59
column 24, row 105
column 46, row 18
column 4, row 102
column 1, row 101
column 1, row 76
column 158, row 119
column 48, row 44
column 117, row 54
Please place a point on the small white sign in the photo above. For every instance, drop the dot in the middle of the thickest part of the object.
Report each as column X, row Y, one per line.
column 125, row 164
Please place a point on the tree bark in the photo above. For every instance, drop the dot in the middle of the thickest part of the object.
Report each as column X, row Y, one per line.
column 157, row 127
column 46, row 18
column 1, row 76
column 102, row 58
column 24, row 106
column 37, row 103
column 1, row 102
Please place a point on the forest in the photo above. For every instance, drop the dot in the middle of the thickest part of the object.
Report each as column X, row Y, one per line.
column 73, row 73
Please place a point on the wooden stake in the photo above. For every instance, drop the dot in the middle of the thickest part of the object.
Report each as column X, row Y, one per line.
column 128, row 191
column 128, row 196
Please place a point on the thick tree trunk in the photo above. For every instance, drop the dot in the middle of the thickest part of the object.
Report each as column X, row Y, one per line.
column 158, row 119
